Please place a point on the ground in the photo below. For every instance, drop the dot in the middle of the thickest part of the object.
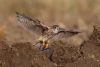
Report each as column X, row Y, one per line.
column 24, row 54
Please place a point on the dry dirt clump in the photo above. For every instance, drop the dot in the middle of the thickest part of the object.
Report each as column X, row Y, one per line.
column 64, row 54
column 5, row 55
column 22, row 55
column 96, row 35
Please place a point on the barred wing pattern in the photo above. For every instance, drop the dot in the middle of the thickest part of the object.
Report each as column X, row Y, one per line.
column 33, row 25
column 63, row 35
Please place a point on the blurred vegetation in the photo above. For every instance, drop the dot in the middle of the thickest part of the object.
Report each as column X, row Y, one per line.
column 56, row 5
column 55, row 10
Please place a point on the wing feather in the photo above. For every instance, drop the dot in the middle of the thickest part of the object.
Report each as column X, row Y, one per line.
column 32, row 24
column 63, row 35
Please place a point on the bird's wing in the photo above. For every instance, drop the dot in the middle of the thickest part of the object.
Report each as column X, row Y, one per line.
column 33, row 25
column 63, row 35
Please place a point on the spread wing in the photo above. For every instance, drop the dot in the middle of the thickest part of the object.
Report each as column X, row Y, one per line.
column 33, row 25
column 63, row 35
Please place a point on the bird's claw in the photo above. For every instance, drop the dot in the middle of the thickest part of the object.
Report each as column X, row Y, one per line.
column 45, row 46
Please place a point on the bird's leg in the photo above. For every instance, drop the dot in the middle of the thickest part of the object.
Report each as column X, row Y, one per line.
column 45, row 45
column 43, row 42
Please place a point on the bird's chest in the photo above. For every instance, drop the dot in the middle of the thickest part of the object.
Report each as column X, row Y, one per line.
column 43, row 38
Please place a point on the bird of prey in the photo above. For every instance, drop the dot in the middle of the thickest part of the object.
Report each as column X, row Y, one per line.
column 45, row 33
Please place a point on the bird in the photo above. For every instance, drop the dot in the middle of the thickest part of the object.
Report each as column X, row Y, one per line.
column 44, row 33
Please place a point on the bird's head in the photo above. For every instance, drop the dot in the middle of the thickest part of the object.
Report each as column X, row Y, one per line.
column 55, row 28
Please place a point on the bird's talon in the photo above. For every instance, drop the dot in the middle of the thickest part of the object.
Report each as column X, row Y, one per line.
column 45, row 46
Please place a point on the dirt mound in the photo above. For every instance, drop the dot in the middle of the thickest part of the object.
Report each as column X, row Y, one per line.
column 63, row 54
column 22, row 55
column 58, row 54
column 5, row 55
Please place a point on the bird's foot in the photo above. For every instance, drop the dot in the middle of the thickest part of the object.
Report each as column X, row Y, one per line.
column 45, row 47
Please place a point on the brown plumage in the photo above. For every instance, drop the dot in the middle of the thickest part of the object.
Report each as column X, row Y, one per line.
column 54, row 32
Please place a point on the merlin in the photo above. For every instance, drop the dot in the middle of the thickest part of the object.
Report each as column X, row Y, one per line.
column 45, row 33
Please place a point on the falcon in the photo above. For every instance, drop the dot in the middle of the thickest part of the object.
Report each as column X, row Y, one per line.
column 45, row 33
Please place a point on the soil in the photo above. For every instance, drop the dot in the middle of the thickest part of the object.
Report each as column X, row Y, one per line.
column 57, row 55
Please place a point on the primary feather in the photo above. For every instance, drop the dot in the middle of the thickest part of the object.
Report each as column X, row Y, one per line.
column 32, row 24
column 63, row 35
